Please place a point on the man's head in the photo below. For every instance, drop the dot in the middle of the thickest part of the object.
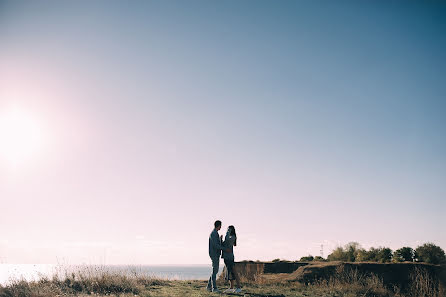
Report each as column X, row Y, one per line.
column 217, row 225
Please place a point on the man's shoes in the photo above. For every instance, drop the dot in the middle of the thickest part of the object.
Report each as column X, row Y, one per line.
column 229, row 290
column 216, row 291
column 238, row 290
column 209, row 289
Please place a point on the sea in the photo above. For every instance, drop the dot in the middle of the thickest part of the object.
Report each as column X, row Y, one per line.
column 13, row 272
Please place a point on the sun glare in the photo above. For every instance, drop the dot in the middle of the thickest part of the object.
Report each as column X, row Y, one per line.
column 20, row 136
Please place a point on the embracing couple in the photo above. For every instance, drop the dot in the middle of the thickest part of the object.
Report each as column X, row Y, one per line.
column 225, row 249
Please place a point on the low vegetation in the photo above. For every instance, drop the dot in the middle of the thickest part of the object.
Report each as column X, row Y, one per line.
column 86, row 281
column 353, row 252
column 343, row 283
column 340, row 282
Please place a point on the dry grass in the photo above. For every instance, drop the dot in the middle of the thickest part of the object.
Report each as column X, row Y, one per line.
column 349, row 282
column 424, row 284
column 99, row 282
column 94, row 280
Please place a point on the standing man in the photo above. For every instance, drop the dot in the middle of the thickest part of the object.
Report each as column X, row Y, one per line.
column 215, row 248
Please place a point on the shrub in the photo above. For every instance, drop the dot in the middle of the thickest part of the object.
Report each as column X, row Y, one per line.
column 353, row 252
column 370, row 255
column 308, row 258
column 430, row 253
column 351, row 282
column 384, row 255
column 338, row 254
column 404, row 254
column 422, row 283
column 381, row 254
column 347, row 254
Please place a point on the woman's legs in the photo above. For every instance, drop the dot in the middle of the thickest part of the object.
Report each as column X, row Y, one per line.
column 237, row 278
column 229, row 275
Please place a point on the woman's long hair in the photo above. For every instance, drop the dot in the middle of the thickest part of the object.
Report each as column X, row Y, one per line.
column 231, row 231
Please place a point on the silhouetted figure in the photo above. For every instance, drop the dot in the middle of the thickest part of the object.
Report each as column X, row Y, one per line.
column 228, row 256
column 215, row 248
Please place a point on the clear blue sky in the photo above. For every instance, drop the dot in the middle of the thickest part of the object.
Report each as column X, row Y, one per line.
column 301, row 123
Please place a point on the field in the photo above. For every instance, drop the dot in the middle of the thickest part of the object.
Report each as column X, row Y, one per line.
column 100, row 283
column 170, row 288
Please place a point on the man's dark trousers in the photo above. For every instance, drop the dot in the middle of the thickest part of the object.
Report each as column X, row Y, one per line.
column 212, row 283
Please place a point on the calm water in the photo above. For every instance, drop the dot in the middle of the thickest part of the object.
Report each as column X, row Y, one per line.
column 9, row 272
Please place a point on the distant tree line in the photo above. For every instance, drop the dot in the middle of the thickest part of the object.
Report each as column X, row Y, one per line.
column 353, row 252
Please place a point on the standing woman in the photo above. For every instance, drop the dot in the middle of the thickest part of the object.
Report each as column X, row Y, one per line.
column 228, row 257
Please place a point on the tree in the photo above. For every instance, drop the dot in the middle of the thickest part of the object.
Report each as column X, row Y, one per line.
column 374, row 255
column 338, row 254
column 384, row 255
column 349, row 253
column 404, row 254
column 319, row 259
column 430, row 253
column 367, row 256
column 352, row 250
column 362, row 256
column 308, row 258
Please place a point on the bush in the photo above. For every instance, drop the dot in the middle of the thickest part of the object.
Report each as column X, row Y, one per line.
column 352, row 252
column 380, row 254
column 364, row 256
column 404, row 254
column 370, row 255
column 430, row 253
column 307, row 259
column 422, row 283
column 347, row 254
column 384, row 255
column 91, row 280
column 338, row 254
